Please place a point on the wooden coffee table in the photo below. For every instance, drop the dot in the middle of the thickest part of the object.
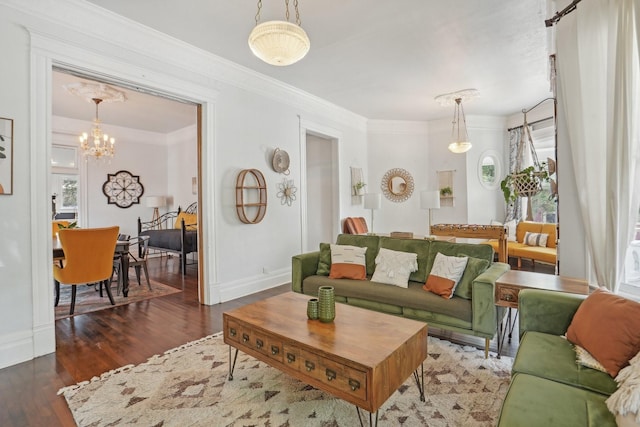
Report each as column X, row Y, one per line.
column 362, row 357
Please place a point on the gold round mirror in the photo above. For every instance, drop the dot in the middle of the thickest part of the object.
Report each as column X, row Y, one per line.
column 397, row 185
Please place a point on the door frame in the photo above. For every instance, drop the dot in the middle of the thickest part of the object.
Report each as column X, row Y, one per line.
column 48, row 52
column 335, row 138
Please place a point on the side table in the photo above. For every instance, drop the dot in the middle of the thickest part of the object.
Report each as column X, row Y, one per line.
column 509, row 285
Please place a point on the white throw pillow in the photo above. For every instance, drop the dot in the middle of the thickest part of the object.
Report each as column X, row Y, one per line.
column 625, row 401
column 394, row 267
column 445, row 275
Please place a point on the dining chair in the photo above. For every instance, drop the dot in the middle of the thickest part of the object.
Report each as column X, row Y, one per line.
column 139, row 261
column 88, row 254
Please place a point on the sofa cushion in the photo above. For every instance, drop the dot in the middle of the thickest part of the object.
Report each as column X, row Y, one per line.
column 475, row 267
column 445, row 275
column 364, row 241
column 608, row 327
column 553, row 357
column 412, row 297
column 416, row 246
column 458, row 249
column 534, row 401
column 348, row 262
column 394, row 267
column 324, row 261
column 520, row 250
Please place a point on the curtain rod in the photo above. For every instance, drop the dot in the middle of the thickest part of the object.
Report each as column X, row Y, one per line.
column 558, row 16
column 531, row 124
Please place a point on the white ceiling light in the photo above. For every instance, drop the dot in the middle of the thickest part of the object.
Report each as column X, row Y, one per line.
column 279, row 43
column 459, row 137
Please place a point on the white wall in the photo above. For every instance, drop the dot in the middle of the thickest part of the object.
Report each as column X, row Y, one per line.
column 488, row 135
column 182, row 166
column 405, row 145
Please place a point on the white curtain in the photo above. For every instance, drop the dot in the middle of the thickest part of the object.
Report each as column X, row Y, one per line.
column 599, row 84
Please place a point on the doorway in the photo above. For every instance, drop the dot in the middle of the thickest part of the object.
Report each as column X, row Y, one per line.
column 157, row 140
column 322, row 190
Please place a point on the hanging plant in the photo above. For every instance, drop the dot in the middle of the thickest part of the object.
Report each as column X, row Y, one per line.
column 524, row 183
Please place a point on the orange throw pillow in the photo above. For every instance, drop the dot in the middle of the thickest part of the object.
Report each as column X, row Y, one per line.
column 348, row 262
column 608, row 327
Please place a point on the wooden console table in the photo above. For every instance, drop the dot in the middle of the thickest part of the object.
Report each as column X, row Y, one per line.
column 475, row 232
column 509, row 285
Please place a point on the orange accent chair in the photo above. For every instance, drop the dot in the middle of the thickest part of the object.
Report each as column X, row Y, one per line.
column 355, row 225
column 55, row 226
column 88, row 257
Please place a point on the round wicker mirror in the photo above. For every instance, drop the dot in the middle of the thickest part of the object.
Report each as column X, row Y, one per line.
column 397, row 185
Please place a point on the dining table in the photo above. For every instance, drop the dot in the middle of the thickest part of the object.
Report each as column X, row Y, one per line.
column 122, row 249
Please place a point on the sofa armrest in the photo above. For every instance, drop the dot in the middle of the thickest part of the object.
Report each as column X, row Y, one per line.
column 303, row 266
column 483, row 299
column 547, row 311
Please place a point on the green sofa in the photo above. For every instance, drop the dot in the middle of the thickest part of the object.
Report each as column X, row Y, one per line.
column 548, row 388
column 475, row 315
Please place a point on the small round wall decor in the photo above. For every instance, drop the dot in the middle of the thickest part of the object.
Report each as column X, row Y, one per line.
column 280, row 161
column 123, row 189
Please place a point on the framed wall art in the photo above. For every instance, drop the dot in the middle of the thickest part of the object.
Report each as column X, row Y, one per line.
column 123, row 189
column 6, row 156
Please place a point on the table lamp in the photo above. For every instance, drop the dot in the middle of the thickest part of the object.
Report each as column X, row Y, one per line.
column 372, row 201
column 429, row 200
column 156, row 202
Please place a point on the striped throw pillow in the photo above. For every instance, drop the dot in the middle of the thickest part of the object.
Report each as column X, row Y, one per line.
column 535, row 239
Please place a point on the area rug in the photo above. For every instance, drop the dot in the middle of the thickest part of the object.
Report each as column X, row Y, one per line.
column 88, row 298
column 188, row 386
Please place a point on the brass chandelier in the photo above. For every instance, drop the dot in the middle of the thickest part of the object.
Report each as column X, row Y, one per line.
column 279, row 43
column 97, row 144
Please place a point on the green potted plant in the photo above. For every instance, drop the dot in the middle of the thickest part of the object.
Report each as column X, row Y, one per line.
column 446, row 192
column 358, row 188
column 74, row 224
column 524, row 183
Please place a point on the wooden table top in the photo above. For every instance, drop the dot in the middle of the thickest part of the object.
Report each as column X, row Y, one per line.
column 360, row 335
column 550, row 282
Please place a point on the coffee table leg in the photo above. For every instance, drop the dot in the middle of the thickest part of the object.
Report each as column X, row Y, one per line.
column 420, row 381
column 232, row 366
column 370, row 418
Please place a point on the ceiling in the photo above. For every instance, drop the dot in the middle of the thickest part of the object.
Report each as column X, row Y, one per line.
column 380, row 59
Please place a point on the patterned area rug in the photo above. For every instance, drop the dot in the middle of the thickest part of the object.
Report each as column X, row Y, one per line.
column 188, row 386
column 88, row 298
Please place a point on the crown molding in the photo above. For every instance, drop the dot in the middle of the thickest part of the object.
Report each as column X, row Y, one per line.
column 397, row 127
column 111, row 34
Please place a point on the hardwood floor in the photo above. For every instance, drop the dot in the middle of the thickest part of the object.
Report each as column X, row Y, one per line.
column 90, row 344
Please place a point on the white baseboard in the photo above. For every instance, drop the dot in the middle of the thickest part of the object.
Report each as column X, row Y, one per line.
column 251, row 285
column 16, row 348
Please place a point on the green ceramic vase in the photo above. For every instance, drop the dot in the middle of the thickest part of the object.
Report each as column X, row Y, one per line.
column 326, row 304
column 312, row 309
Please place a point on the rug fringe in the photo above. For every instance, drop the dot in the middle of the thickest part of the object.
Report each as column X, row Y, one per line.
column 125, row 368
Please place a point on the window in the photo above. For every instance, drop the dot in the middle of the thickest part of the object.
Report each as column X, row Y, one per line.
column 65, row 189
column 543, row 205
